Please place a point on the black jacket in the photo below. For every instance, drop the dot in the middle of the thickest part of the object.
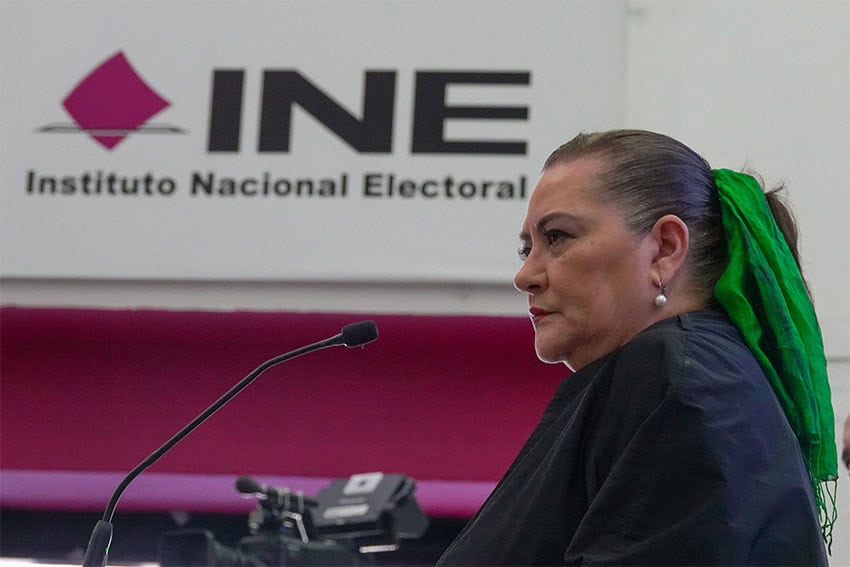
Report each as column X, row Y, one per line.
column 672, row 450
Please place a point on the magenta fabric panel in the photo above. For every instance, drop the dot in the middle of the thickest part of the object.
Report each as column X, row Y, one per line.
column 435, row 398
column 90, row 491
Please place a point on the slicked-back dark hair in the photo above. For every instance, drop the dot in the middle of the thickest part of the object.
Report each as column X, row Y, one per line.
column 649, row 175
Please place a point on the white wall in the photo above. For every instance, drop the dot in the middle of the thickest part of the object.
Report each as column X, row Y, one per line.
column 762, row 84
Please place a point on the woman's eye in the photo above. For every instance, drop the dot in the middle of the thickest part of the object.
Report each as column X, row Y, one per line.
column 552, row 238
column 523, row 252
column 555, row 236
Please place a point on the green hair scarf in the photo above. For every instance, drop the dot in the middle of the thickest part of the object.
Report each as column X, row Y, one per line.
column 764, row 294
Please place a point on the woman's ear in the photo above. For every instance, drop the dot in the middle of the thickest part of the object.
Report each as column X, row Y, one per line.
column 671, row 235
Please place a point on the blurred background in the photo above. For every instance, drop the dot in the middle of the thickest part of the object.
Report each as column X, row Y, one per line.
column 190, row 188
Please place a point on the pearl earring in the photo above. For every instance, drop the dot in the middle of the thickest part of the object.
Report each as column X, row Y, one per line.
column 661, row 298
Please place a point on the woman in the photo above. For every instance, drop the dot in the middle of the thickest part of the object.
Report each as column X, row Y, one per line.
column 696, row 428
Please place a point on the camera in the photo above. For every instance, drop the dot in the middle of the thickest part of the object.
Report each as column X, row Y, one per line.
column 348, row 520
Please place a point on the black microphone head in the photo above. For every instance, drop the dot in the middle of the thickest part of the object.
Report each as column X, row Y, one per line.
column 248, row 485
column 360, row 333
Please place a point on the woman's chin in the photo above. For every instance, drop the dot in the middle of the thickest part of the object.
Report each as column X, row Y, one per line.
column 548, row 354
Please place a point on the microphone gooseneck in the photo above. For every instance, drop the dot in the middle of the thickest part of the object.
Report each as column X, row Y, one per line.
column 354, row 334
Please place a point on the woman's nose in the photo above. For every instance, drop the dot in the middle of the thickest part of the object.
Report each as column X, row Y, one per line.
column 531, row 277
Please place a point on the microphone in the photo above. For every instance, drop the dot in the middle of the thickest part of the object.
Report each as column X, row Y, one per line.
column 352, row 335
column 358, row 334
column 280, row 496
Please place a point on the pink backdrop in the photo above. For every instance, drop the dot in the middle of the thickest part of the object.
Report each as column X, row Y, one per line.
column 87, row 394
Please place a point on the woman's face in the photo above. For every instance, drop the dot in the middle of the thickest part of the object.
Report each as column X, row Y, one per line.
column 586, row 274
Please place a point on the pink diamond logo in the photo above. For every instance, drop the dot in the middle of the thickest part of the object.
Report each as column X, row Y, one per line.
column 112, row 102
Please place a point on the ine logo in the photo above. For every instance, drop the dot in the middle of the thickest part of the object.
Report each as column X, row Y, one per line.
column 372, row 131
column 111, row 103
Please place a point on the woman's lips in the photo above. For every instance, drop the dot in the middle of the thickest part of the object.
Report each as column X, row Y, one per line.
column 536, row 314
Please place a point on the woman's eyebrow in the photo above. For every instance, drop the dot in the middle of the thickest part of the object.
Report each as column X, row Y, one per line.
column 540, row 225
column 555, row 215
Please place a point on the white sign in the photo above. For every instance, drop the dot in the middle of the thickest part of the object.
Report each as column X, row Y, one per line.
column 288, row 140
